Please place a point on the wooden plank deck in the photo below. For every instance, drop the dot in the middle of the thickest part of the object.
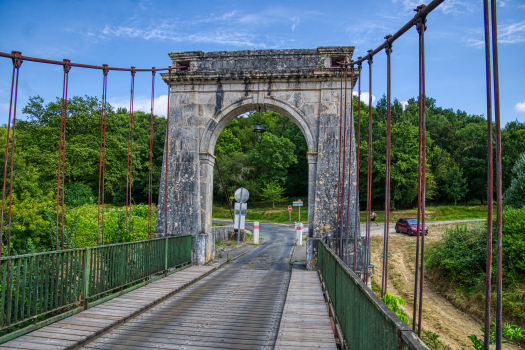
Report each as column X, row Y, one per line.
column 235, row 308
column 305, row 323
column 77, row 329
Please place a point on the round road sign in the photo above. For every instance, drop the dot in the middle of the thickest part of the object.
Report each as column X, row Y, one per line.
column 245, row 195
column 289, row 208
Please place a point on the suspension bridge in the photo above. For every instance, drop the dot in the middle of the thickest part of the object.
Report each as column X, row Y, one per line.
column 171, row 291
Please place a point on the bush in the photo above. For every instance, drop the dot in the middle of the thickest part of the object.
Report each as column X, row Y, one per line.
column 513, row 245
column 460, row 258
column 460, row 255
column 78, row 194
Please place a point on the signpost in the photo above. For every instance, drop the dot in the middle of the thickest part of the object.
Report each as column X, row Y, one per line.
column 299, row 204
column 290, row 212
column 240, row 209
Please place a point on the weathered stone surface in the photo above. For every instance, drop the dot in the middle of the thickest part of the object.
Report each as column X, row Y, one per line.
column 218, row 87
column 203, row 249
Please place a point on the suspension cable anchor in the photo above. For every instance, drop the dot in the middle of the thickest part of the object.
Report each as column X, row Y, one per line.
column 67, row 65
column 17, row 58
column 422, row 20
column 105, row 69
column 371, row 58
column 133, row 71
column 388, row 47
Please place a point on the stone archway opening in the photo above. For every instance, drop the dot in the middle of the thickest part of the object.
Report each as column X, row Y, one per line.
column 244, row 162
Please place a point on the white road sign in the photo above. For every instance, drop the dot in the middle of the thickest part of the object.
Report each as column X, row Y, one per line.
column 242, row 198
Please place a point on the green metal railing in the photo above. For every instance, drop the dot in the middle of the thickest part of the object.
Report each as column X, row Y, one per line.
column 366, row 322
column 38, row 286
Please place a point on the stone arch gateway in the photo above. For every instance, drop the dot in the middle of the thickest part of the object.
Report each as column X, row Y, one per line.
column 215, row 88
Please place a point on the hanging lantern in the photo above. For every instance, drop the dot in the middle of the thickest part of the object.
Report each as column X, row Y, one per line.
column 259, row 130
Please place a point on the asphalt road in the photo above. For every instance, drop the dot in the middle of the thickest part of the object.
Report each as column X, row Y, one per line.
column 375, row 230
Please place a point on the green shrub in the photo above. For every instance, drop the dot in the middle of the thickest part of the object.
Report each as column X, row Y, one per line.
column 460, row 255
column 513, row 245
column 393, row 301
column 79, row 194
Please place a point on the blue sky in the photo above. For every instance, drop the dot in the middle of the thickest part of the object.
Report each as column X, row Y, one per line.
column 141, row 33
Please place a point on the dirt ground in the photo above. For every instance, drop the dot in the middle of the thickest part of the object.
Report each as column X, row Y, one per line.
column 439, row 315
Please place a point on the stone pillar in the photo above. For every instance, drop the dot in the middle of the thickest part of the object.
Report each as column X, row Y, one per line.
column 312, row 171
column 326, row 185
column 183, row 171
column 207, row 161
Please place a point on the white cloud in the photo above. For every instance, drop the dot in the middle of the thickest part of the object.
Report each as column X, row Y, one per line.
column 365, row 96
column 520, row 107
column 295, row 21
column 405, row 104
column 235, row 28
column 143, row 103
column 513, row 33
column 508, row 33
column 454, row 7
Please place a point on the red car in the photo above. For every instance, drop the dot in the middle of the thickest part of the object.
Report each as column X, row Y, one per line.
column 409, row 226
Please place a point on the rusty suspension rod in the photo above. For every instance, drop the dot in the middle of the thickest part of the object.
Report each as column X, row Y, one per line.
column 350, row 161
column 499, row 179
column 166, row 161
column 150, row 176
column 224, row 188
column 423, row 13
column 102, row 158
column 369, row 172
column 414, row 315
column 103, row 67
column 17, row 62
column 11, row 170
column 490, row 182
column 63, row 140
column 422, row 110
column 342, row 209
column 339, row 162
column 60, row 160
column 130, row 149
column 357, row 211
column 384, row 285
column 5, row 158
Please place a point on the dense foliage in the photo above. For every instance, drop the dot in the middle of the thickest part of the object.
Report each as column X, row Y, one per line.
column 35, row 165
column 456, row 156
column 460, row 258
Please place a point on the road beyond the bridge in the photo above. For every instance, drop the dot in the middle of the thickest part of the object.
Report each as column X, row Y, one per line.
column 238, row 307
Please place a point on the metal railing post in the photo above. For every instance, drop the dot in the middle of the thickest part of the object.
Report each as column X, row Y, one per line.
column 166, row 255
column 85, row 276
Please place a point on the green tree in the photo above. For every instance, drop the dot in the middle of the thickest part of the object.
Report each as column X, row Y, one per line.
column 237, row 171
column 273, row 192
column 455, row 185
column 227, row 143
column 272, row 157
column 515, row 194
column 512, row 146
